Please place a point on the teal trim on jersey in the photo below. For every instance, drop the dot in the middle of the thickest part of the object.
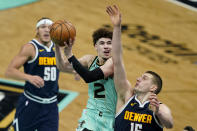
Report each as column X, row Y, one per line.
column 71, row 95
column 6, row 4
column 63, row 103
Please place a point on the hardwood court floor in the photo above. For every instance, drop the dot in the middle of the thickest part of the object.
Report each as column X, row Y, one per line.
column 160, row 36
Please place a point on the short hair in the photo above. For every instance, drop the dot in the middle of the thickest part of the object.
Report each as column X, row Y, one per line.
column 101, row 33
column 43, row 18
column 189, row 128
column 156, row 80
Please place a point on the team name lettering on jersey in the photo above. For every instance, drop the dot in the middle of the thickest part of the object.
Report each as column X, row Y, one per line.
column 144, row 118
column 47, row 61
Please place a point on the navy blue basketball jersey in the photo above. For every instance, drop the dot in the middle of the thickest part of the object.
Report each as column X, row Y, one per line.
column 43, row 65
column 136, row 116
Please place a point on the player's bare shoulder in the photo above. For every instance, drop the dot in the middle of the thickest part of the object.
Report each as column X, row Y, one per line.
column 87, row 60
column 28, row 50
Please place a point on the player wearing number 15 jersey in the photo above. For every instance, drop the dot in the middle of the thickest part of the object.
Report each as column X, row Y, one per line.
column 136, row 116
column 37, row 106
column 132, row 109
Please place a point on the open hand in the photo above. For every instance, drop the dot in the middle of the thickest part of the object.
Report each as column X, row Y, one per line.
column 114, row 14
column 154, row 102
column 36, row 81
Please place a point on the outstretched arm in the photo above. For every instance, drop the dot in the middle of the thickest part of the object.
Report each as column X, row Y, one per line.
column 61, row 62
column 122, row 85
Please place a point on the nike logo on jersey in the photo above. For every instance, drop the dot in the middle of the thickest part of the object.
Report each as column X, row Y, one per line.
column 41, row 50
column 132, row 104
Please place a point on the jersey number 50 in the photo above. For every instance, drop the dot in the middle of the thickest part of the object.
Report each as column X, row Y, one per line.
column 50, row 73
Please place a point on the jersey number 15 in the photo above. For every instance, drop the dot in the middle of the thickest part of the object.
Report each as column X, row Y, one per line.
column 136, row 127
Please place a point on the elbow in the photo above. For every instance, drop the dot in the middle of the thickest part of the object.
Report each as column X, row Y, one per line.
column 169, row 125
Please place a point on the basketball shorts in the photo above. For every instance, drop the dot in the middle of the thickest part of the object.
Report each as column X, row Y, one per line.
column 33, row 116
column 96, row 121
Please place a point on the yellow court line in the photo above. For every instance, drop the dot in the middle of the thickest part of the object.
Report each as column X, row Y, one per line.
column 11, row 89
column 8, row 119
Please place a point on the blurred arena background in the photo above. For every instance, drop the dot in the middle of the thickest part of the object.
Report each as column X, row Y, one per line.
column 157, row 35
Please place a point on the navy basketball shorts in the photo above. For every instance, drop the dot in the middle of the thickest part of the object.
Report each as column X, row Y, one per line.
column 33, row 116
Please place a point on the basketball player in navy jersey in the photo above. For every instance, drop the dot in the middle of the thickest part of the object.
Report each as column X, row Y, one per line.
column 96, row 116
column 133, row 112
column 37, row 107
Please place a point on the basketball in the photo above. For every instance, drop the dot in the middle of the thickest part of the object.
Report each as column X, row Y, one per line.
column 61, row 31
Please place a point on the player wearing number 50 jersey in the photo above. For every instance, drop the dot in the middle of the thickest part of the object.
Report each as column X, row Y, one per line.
column 37, row 106
column 44, row 66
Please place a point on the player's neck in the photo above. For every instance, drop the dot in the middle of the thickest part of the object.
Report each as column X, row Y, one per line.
column 142, row 97
column 44, row 43
column 101, row 61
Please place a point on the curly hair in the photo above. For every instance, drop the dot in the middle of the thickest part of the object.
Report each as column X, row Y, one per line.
column 101, row 33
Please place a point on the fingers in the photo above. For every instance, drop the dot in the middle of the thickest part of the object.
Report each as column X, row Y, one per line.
column 153, row 98
column 112, row 10
column 65, row 44
column 70, row 42
column 37, row 81
column 154, row 101
column 116, row 8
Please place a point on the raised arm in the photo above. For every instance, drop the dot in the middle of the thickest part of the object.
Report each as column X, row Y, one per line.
column 121, row 83
column 61, row 61
column 81, row 65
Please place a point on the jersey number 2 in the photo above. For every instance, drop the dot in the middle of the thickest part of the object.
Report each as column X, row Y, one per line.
column 50, row 73
column 97, row 91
